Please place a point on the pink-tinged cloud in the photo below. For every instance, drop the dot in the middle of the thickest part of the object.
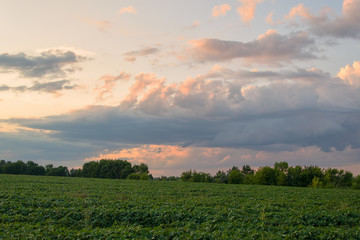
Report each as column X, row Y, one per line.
column 222, row 91
column 324, row 24
column 247, row 9
column 220, row 10
column 299, row 11
column 270, row 48
column 172, row 160
column 132, row 55
column 146, row 87
column 351, row 74
column 194, row 25
column 129, row 9
column 269, row 18
column 159, row 156
column 101, row 25
column 108, row 82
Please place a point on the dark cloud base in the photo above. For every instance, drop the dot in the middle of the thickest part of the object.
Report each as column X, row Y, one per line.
column 327, row 130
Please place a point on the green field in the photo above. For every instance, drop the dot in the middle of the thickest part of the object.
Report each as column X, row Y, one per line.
column 42, row 207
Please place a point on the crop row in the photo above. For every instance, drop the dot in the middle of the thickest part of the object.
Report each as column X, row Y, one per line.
column 62, row 208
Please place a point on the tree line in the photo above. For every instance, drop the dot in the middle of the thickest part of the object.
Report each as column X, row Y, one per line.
column 281, row 175
column 105, row 168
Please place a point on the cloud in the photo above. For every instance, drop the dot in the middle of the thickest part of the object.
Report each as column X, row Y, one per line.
column 52, row 87
column 53, row 63
column 176, row 159
column 152, row 92
column 42, row 148
column 247, row 9
column 299, row 10
column 344, row 26
column 220, row 10
column 129, row 9
column 4, row 88
column 48, row 87
column 218, row 119
column 194, row 25
column 102, row 25
column 159, row 156
column 351, row 74
column 284, row 110
column 270, row 48
column 269, row 18
column 131, row 56
column 108, row 83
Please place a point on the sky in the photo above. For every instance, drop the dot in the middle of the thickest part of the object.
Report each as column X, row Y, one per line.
column 181, row 85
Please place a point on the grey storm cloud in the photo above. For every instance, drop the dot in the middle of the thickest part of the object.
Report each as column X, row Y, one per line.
column 4, row 88
column 325, row 129
column 49, row 87
column 52, row 87
column 51, row 63
column 39, row 146
column 109, row 124
column 270, row 48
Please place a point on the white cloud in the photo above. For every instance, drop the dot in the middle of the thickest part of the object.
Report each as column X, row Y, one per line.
column 351, row 74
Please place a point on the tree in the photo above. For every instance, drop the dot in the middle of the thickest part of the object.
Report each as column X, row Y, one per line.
column 18, row 167
column 118, row 169
column 331, row 177
column 356, row 182
column 186, row 176
column 197, row 177
column 34, row 168
column 281, row 178
column 142, row 168
column 281, row 166
column 246, row 169
column 249, row 174
column 316, row 183
column 133, row 176
column 235, row 176
column 221, row 177
column 346, row 179
column 2, row 165
column 308, row 173
column 60, row 171
column 91, row 169
column 294, row 176
column 266, row 176
column 75, row 172
column 201, row 177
